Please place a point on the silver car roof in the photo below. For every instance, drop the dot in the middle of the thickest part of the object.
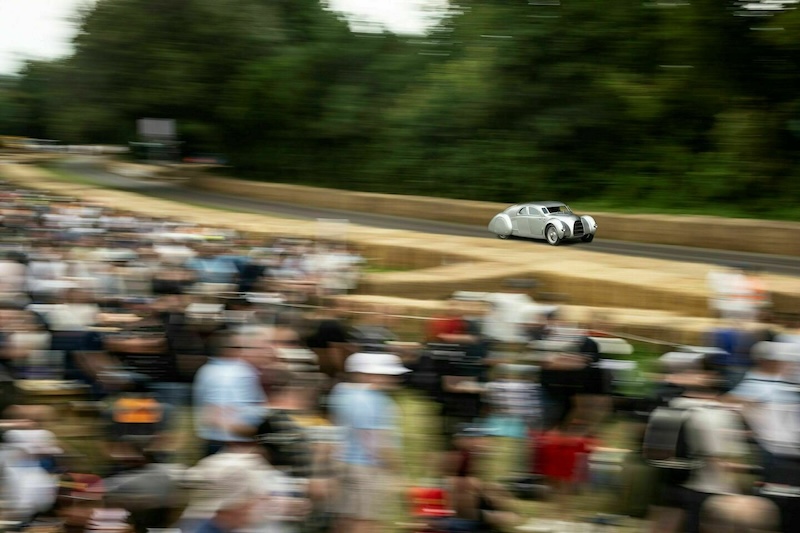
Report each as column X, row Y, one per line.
column 540, row 204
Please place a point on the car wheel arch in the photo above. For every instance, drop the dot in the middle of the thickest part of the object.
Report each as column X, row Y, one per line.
column 552, row 237
column 501, row 225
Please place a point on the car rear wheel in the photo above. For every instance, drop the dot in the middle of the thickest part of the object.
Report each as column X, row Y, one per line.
column 551, row 234
column 589, row 237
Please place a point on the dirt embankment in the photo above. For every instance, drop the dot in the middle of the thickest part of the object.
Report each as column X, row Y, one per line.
column 745, row 235
column 639, row 295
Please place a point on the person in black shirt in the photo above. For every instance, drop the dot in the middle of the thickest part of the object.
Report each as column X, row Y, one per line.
column 329, row 340
column 288, row 445
column 284, row 440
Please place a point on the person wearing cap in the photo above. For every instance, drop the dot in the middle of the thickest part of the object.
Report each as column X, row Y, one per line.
column 770, row 402
column 226, row 496
column 369, row 417
column 771, row 407
column 235, row 489
column 696, row 443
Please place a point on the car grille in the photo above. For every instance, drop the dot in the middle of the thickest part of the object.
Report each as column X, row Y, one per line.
column 577, row 230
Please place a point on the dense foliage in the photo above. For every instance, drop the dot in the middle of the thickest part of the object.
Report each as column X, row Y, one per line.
column 665, row 103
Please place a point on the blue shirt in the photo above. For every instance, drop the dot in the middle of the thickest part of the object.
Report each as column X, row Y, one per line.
column 360, row 410
column 233, row 387
column 220, row 269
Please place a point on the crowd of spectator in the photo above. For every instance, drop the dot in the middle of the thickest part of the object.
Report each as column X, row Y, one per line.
column 231, row 392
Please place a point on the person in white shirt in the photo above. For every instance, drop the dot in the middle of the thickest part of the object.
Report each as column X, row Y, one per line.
column 698, row 442
column 771, row 405
column 28, row 489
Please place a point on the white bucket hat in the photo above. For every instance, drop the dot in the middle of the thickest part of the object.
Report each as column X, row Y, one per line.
column 375, row 363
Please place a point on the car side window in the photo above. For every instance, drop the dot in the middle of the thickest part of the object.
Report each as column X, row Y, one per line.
column 544, row 210
column 523, row 211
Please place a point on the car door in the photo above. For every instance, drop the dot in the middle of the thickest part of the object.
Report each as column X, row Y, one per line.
column 519, row 222
column 536, row 219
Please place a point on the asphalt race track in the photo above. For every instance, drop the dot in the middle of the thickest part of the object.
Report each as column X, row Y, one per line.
column 92, row 172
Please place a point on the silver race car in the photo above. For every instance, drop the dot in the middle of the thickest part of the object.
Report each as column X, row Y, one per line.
column 552, row 221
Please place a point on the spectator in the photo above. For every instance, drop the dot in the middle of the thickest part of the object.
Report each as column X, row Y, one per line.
column 737, row 513
column 30, row 489
column 252, row 270
column 705, row 442
column 45, row 273
column 329, row 338
column 71, row 322
column 214, row 271
column 363, row 407
column 290, row 450
column 227, row 491
column 13, row 272
column 478, row 505
column 146, row 488
column 189, row 339
column 736, row 343
column 227, row 391
column 141, row 345
column 514, row 400
column 137, row 423
column 738, row 293
column 26, row 337
column 233, row 513
column 460, row 352
column 771, row 406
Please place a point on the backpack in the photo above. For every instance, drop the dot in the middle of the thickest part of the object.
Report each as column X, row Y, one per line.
column 666, row 447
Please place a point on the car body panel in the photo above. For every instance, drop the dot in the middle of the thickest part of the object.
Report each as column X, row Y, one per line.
column 531, row 220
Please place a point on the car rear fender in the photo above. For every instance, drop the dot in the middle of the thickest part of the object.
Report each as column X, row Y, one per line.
column 589, row 224
column 501, row 224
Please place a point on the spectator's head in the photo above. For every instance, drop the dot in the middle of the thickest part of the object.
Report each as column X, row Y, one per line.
column 289, row 351
column 739, row 514
column 771, row 357
column 294, row 390
column 243, row 343
column 225, row 489
column 379, row 369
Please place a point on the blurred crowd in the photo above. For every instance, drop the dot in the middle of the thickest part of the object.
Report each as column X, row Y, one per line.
column 221, row 387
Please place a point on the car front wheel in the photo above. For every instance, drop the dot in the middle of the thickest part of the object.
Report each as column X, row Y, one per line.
column 551, row 233
column 502, row 236
column 589, row 237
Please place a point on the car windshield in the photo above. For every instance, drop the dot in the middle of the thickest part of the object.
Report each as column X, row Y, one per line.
column 559, row 209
